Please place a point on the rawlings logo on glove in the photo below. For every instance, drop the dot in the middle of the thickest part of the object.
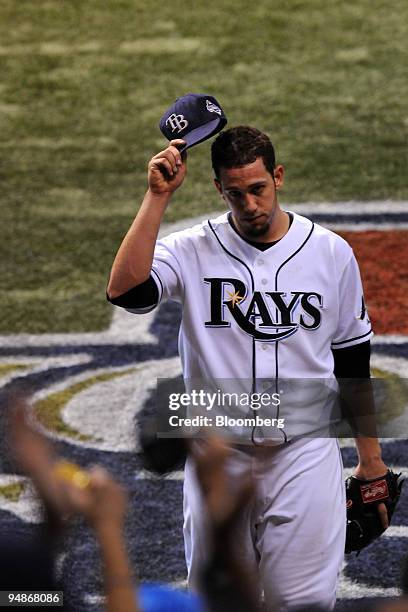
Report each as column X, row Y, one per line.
column 363, row 496
column 374, row 491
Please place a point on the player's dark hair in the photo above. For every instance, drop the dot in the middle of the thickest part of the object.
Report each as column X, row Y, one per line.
column 240, row 146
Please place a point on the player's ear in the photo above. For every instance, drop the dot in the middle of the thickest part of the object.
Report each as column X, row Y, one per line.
column 279, row 174
column 218, row 186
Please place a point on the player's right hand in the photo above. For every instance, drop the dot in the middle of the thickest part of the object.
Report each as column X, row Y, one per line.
column 167, row 169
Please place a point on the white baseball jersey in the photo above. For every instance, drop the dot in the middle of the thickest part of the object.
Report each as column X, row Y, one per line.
column 263, row 315
column 251, row 313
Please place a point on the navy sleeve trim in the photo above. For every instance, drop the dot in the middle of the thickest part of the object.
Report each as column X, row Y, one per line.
column 157, row 279
column 143, row 295
column 352, row 339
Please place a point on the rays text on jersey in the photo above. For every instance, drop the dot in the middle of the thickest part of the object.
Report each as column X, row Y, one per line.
column 269, row 315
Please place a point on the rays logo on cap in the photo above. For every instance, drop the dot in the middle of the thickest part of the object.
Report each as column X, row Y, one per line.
column 213, row 108
column 177, row 122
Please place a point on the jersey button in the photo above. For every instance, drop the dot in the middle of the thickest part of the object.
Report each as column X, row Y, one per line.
column 264, row 281
column 264, row 347
column 260, row 262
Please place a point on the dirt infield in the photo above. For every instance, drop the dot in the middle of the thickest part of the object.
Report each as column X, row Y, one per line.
column 383, row 257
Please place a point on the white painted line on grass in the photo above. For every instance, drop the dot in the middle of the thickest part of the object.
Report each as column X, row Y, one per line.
column 348, row 589
column 391, row 339
column 146, row 475
column 396, row 531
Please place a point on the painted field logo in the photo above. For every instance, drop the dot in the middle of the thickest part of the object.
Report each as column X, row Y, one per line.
column 257, row 319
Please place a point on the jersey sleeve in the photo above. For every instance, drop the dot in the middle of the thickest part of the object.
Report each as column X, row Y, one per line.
column 166, row 270
column 165, row 281
column 354, row 324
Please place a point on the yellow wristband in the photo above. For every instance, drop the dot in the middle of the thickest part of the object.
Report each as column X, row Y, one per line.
column 70, row 472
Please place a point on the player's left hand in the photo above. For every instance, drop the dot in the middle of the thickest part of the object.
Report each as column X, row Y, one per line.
column 364, row 497
column 375, row 468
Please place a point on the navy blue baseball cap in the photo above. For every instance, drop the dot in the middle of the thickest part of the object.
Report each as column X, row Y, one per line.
column 193, row 118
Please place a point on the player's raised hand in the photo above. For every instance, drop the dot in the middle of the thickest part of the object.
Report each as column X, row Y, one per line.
column 167, row 169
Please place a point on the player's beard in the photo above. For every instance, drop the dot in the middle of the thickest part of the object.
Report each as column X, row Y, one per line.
column 257, row 232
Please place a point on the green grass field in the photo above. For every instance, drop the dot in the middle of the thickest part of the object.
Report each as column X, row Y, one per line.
column 84, row 84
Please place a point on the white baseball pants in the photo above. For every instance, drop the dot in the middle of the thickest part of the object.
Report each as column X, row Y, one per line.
column 291, row 537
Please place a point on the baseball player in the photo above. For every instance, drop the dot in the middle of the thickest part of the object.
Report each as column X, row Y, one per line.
column 267, row 295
